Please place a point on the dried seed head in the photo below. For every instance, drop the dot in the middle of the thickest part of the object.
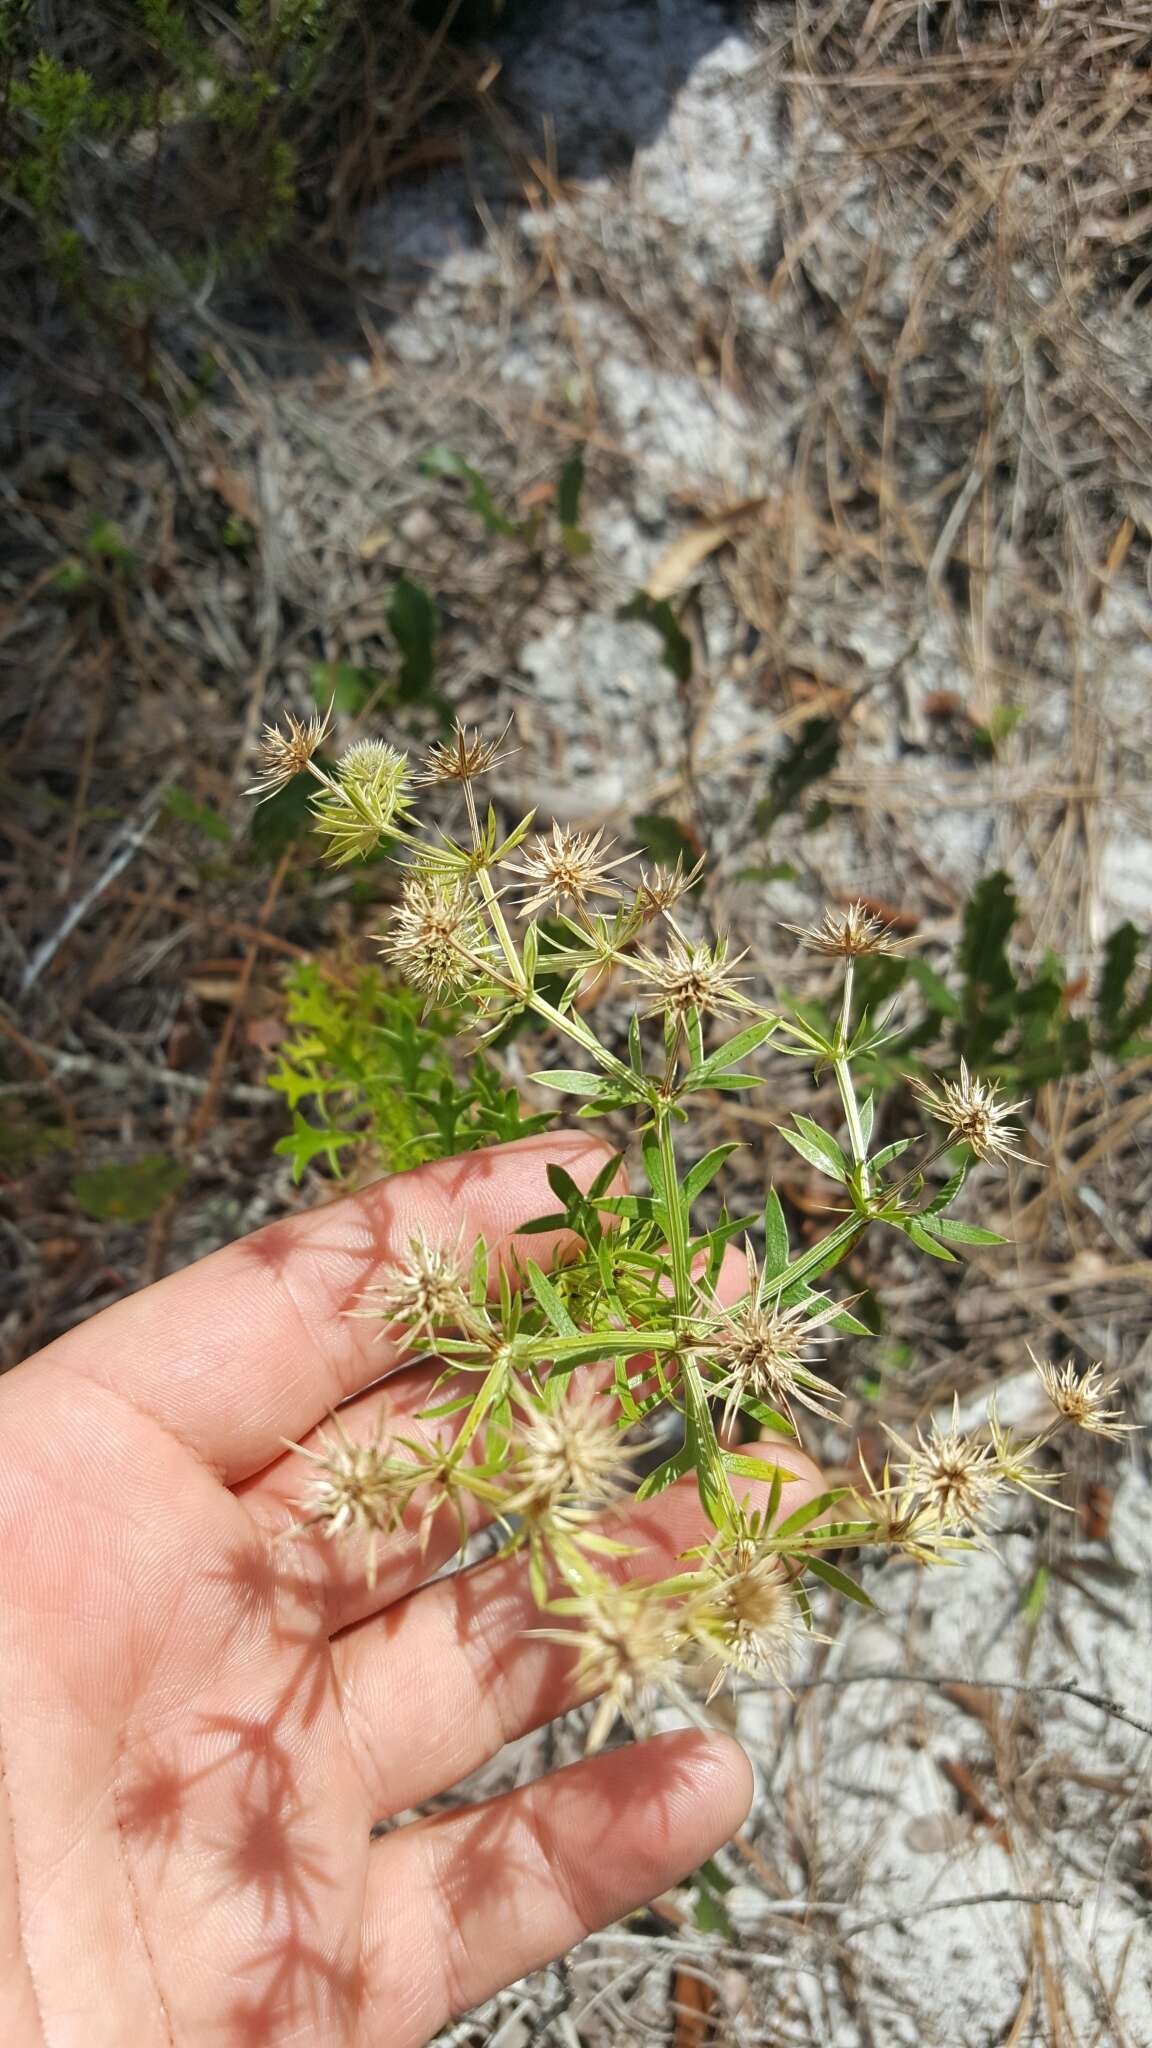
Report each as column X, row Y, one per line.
column 423, row 1292
column 565, row 868
column 436, row 937
column 1081, row 1398
column 971, row 1112
column 571, row 1454
column 955, row 1474
column 662, row 889
column 462, row 757
column 760, row 1345
column 366, row 802
column 848, row 933
column 628, row 1647
column 691, row 978
column 745, row 1617
column 1015, row 1460
column 285, row 752
column 357, row 1488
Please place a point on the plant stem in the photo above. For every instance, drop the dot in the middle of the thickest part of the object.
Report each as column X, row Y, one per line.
column 677, row 1221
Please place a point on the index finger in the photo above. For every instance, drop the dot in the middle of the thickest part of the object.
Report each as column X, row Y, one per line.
column 255, row 1343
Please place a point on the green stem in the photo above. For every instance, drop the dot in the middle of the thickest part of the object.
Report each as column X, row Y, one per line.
column 500, row 926
column 677, row 1220
column 570, row 1027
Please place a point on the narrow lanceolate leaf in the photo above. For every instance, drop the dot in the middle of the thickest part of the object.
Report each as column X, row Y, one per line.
column 700, row 1442
column 570, row 1081
column 963, row 1233
column 831, row 1575
column 761, row 1469
column 605, row 1177
column 729, row 1055
column 666, row 1474
column 564, row 1187
column 867, row 1119
column 888, row 1153
column 550, row 1301
column 808, row 1513
column 924, row 1242
column 948, row 1192
column 705, row 1170
column 776, row 1247
column 818, row 1148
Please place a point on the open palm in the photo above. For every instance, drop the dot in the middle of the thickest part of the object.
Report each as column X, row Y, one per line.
column 202, row 1716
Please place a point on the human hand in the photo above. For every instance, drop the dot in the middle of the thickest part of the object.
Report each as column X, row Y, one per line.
column 201, row 1718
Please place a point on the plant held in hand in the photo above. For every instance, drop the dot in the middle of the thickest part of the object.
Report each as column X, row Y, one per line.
column 646, row 1304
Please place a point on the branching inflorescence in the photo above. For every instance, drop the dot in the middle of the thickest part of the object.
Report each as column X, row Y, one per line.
column 554, row 1388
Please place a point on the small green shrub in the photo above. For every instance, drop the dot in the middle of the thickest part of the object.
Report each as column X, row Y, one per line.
column 380, row 1076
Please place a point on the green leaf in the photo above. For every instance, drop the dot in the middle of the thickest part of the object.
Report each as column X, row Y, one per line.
column 441, row 461
column 805, row 760
column 771, row 871
column 888, row 1153
column 937, row 995
column 776, row 1247
column 666, row 1474
column 990, row 990
column 658, row 613
column 283, row 820
column 831, row 1575
column 413, row 619
column 181, row 804
column 307, row 1142
column 666, row 840
column 761, row 1469
column 106, row 543
column 343, row 685
column 818, row 1147
column 962, row 1233
column 920, row 1237
column 949, row 1191
column 569, row 485
column 550, row 1301
column 1121, row 952
column 709, row 1913
column 705, row 1170
column 128, row 1192
column 728, row 1055
column 810, row 1512
column 570, row 1080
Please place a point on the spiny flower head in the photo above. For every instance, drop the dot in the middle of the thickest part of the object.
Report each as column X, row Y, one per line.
column 433, row 932
column 356, row 1488
column 954, row 1473
column 1081, row 1398
column 691, row 978
column 628, row 1647
column 573, row 1453
column 364, row 803
column 971, row 1112
column 903, row 1520
column 565, row 867
column 424, row 1291
column 661, row 890
column 1015, row 1460
column 848, row 933
column 286, row 751
column 461, row 757
column 744, row 1617
column 760, row 1345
